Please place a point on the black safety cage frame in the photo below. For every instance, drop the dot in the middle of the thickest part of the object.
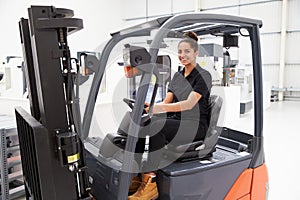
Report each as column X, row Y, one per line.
column 200, row 23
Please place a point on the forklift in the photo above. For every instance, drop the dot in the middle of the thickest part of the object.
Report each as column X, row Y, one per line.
column 61, row 161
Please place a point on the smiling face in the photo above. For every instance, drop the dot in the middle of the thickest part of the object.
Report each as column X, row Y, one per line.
column 186, row 54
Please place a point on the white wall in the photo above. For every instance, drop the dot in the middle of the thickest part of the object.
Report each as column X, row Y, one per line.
column 135, row 10
column 100, row 17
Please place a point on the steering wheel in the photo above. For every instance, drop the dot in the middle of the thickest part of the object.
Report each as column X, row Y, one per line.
column 131, row 102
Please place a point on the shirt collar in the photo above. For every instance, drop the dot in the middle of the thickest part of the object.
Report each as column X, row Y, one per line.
column 193, row 72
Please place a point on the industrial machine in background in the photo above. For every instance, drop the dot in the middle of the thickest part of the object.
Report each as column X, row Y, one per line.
column 211, row 58
column 11, row 181
column 243, row 76
column 14, row 85
column 61, row 161
column 227, row 72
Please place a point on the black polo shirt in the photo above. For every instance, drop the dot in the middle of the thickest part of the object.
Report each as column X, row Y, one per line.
column 200, row 81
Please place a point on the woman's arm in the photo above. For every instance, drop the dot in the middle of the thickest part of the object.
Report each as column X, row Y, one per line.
column 169, row 98
column 167, row 106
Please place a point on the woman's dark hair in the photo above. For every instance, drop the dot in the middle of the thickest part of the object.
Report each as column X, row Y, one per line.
column 191, row 38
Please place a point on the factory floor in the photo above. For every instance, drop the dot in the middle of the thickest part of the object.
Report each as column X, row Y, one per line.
column 281, row 139
column 282, row 136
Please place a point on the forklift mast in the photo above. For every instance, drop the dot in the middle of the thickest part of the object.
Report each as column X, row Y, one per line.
column 50, row 146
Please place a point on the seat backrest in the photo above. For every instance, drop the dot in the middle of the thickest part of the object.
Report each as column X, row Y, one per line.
column 215, row 105
column 211, row 138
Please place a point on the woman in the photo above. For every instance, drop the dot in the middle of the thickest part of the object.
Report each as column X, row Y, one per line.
column 186, row 103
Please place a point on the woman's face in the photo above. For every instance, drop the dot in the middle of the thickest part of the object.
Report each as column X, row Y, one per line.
column 186, row 54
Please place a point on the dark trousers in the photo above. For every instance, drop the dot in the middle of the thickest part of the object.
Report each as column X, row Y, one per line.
column 164, row 131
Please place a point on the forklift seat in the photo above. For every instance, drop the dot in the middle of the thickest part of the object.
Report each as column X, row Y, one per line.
column 195, row 150
column 203, row 148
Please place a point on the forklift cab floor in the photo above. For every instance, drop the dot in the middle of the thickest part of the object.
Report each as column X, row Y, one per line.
column 223, row 155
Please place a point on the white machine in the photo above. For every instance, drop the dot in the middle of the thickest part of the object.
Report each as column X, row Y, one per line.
column 13, row 82
column 243, row 77
column 211, row 59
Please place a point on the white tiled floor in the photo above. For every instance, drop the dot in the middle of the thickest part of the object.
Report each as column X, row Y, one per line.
column 282, row 137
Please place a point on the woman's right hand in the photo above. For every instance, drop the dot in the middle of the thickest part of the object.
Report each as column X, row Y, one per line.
column 146, row 107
